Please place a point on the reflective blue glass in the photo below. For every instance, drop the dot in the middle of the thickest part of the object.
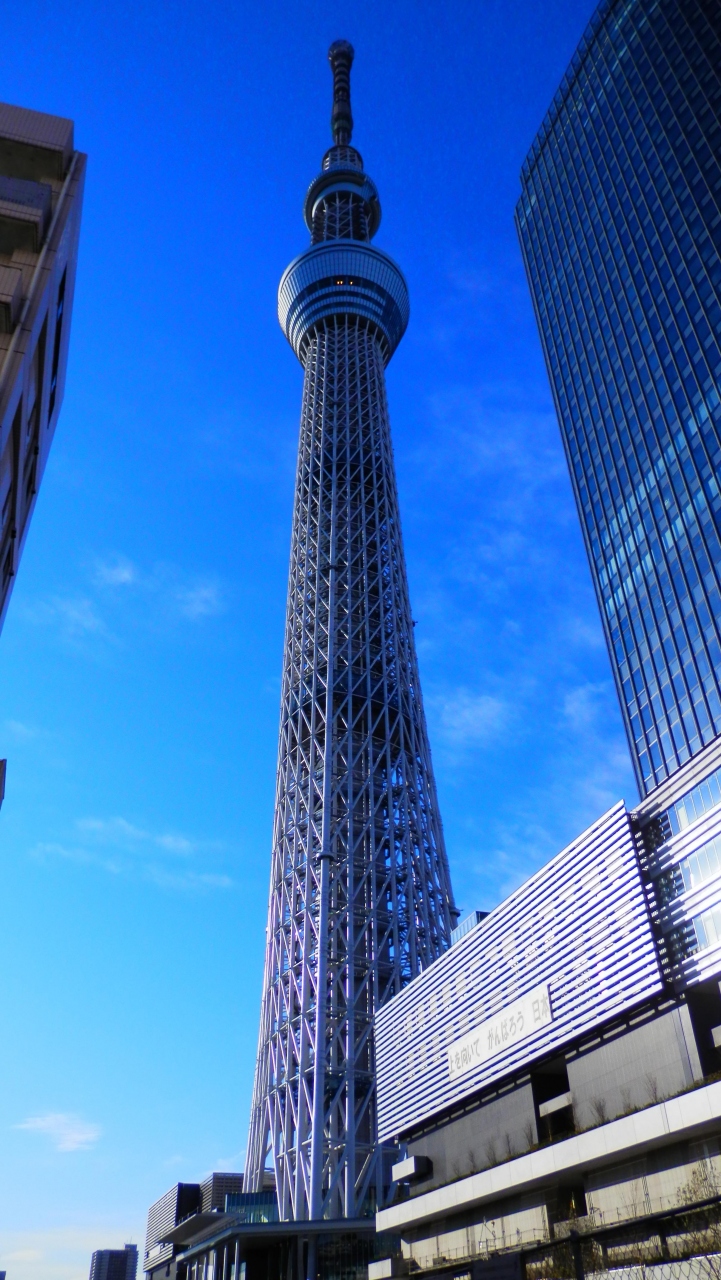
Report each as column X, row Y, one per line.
column 620, row 226
column 702, row 866
column 693, row 804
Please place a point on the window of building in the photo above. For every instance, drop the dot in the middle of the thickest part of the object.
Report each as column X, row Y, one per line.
column 695, row 803
column 6, row 486
column 60, row 307
column 702, row 865
column 708, row 928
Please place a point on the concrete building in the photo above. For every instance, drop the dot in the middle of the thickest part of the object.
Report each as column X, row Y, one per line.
column 559, row 1063
column 185, row 1201
column 207, row 1232
column 115, row 1264
column 41, row 191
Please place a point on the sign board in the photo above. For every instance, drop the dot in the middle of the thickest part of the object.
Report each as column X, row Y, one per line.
column 512, row 1024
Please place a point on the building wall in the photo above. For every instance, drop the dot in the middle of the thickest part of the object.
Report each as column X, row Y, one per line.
column 620, row 224
column 649, row 1062
column 215, row 1188
column 680, row 840
column 177, row 1203
column 571, row 948
column 41, row 189
column 658, row 1181
column 504, row 1226
column 625, row 1072
column 478, row 1138
column 115, row 1264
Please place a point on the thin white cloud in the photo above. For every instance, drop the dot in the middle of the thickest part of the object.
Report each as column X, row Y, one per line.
column 586, row 633
column 583, row 705
column 75, row 853
column 66, row 1131
column 169, row 860
column 113, row 829
column 204, row 600
column 21, row 732
column 78, row 617
column 470, row 719
column 123, row 834
column 186, row 881
column 193, row 598
column 117, row 572
column 174, row 844
column 119, row 595
column 229, row 1164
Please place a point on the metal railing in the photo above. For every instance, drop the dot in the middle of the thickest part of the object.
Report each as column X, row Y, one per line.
column 679, row 1244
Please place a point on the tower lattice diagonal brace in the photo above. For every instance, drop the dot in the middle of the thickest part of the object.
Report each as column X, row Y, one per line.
column 360, row 892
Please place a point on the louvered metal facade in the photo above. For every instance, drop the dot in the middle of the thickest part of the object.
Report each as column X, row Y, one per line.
column 570, row 949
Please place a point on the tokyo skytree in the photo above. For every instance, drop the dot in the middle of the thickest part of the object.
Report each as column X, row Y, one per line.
column 360, row 891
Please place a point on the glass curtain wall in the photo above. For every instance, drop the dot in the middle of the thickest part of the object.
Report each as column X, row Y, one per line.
column 620, row 226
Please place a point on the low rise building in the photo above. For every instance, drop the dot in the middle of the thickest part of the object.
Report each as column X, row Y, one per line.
column 216, row 1231
column 561, row 1063
column 186, row 1201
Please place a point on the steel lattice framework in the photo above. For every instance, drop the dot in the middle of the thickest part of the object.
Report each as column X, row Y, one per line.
column 360, row 892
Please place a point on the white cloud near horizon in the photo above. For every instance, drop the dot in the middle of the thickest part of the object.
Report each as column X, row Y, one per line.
column 66, row 1131
column 62, row 1253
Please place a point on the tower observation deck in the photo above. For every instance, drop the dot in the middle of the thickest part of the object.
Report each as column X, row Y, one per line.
column 360, row 892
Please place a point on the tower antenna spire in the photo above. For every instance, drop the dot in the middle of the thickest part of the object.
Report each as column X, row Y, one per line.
column 340, row 57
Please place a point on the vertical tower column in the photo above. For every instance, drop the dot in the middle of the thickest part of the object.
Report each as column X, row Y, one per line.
column 360, row 895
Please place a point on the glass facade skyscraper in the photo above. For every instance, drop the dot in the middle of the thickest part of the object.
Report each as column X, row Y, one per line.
column 620, row 225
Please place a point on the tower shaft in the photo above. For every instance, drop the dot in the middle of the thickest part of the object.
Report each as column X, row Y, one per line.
column 360, row 896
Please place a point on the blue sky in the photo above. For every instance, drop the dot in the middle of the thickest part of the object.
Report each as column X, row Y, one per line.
column 141, row 658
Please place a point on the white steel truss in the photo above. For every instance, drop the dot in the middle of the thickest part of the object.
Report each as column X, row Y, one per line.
column 360, row 893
